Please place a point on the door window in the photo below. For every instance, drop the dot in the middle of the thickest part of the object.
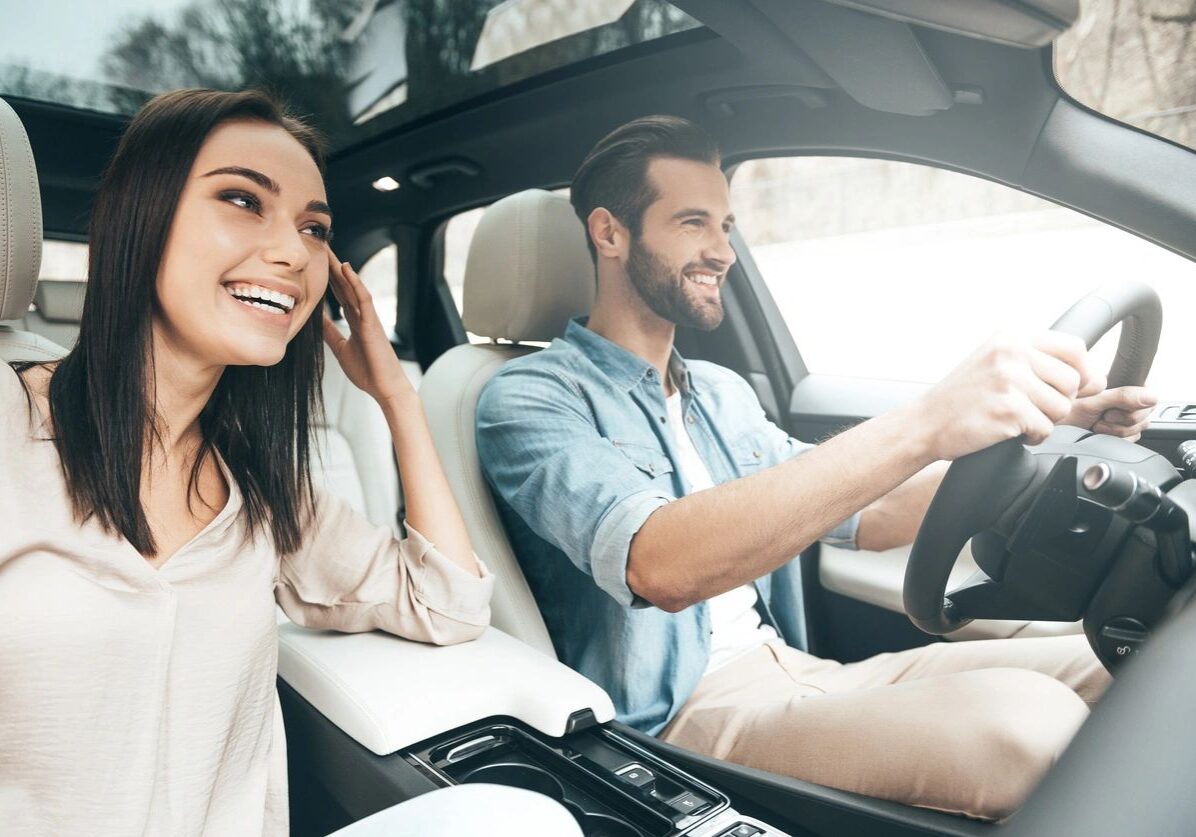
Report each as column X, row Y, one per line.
column 893, row 270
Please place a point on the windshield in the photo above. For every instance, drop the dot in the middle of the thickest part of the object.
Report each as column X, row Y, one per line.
column 1136, row 62
column 345, row 62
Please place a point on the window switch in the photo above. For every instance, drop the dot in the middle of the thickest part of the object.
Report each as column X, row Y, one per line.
column 689, row 803
column 742, row 829
column 636, row 775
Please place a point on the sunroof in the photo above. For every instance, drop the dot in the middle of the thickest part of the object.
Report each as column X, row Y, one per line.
column 345, row 62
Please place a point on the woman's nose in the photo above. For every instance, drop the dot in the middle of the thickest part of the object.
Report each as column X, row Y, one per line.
column 286, row 248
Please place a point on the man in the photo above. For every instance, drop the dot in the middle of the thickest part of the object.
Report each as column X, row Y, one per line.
column 656, row 513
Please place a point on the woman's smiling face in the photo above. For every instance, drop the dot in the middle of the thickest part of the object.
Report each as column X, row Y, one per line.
column 246, row 260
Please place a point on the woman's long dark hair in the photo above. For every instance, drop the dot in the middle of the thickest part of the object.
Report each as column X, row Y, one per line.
column 101, row 394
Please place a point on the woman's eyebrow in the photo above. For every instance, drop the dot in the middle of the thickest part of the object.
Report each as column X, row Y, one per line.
column 268, row 183
column 256, row 176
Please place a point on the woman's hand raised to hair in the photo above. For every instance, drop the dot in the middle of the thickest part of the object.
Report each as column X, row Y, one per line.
column 369, row 362
column 366, row 355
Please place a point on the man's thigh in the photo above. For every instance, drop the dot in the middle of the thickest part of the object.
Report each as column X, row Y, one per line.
column 1068, row 659
column 973, row 742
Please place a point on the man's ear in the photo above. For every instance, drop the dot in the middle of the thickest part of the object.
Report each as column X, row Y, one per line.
column 607, row 233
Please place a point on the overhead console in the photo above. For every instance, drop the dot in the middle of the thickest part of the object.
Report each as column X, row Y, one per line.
column 497, row 711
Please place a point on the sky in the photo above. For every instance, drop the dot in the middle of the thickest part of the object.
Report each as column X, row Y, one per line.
column 68, row 37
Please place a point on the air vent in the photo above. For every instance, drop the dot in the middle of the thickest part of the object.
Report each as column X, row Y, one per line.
column 1177, row 412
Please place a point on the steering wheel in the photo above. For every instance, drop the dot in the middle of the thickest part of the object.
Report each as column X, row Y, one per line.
column 982, row 488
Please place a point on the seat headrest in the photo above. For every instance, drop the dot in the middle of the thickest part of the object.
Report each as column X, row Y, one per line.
column 20, row 218
column 528, row 271
column 60, row 300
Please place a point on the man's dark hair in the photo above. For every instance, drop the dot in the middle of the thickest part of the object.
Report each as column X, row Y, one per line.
column 614, row 175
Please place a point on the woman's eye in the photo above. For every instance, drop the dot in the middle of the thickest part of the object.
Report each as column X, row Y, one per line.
column 320, row 232
column 243, row 200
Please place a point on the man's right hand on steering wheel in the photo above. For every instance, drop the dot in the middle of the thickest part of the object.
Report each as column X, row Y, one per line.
column 1009, row 387
column 1119, row 411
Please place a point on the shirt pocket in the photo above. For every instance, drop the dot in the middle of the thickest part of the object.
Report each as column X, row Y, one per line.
column 649, row 459
column 750, row 453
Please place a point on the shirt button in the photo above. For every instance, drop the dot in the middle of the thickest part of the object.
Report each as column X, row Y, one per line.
column 663, row 420
column 651, row 468
column 756, row 454
column 689, row 419
column 651, row 374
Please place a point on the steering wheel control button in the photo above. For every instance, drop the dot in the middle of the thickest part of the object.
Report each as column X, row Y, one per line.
column 689, row 803
column 742, row 829
column 1121, row 638
column 636, row 775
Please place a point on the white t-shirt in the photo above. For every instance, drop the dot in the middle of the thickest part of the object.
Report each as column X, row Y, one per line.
column 735, row 626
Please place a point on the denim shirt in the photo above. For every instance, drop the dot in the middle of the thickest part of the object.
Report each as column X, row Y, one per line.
column 575, row 443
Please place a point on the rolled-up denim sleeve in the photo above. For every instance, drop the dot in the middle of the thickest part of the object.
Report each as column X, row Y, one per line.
column 541, row 452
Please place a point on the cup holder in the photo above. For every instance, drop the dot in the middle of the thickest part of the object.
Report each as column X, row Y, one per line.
column 532, row 778
column 518, row 776
column 600, row 825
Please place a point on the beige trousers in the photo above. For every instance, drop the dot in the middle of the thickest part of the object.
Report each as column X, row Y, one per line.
column 964, row 727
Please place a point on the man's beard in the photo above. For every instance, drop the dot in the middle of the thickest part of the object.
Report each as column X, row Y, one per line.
column 664, row 291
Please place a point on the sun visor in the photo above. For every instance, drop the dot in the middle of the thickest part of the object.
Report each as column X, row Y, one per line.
column 876, row 61
column 1022, row 23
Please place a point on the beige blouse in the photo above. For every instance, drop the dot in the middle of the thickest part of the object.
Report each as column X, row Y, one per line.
column 141, row 701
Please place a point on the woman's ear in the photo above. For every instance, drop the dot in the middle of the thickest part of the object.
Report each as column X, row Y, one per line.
column 608, row 234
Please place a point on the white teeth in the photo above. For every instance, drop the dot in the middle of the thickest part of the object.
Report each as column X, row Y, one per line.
column 245, row 293
column 702, row 278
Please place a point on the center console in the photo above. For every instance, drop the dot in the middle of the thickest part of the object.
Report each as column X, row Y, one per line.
column 612, row 787
column 499, row 712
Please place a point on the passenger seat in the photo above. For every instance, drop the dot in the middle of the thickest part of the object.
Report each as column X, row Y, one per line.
column 57, row 310
column 527, row 274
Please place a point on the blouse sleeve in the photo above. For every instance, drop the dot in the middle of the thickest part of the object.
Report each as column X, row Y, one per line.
column 353, row 576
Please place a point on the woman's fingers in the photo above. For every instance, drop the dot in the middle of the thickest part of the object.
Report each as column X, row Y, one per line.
column 332, row 334
column 341, row 289
column 365, row 300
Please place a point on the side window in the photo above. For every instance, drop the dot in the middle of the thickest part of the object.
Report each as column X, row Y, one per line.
column 894, row 270
column 381, row 276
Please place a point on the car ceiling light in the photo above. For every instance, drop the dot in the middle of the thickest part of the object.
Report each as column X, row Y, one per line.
column 386, row 184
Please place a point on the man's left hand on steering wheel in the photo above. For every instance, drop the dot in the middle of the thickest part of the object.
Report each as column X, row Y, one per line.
column 1121, row 411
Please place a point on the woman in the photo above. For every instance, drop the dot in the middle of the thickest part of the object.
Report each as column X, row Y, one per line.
column 156, row 499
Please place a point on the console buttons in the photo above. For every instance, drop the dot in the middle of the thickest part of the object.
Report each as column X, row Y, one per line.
column 742, row 829
column 636, row 775
column 1120, row 638
column 689, row 803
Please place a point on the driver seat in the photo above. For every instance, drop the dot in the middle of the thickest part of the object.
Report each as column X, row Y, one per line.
column 527, row 274
column 20, row 242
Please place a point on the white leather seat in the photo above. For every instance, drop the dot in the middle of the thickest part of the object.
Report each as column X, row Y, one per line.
column 57, row 310
column 20, row 242
column 528, row 272
column 356, row 455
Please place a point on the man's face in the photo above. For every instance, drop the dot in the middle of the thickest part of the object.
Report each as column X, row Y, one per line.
column 679, row 261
